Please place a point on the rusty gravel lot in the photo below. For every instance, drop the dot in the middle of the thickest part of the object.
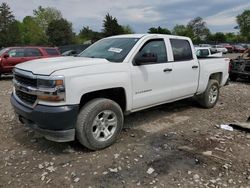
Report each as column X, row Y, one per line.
column 173, row 145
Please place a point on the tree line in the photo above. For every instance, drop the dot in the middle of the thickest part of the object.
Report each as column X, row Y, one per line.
column 47, row 26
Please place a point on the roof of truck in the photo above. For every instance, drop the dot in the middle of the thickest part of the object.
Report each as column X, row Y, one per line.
column 129, row 36
column 144, row 35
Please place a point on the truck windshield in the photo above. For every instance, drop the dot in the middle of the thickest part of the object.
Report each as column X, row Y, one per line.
column 112, row 49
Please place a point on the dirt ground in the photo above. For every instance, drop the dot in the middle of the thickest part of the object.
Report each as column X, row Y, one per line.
column 173, row 145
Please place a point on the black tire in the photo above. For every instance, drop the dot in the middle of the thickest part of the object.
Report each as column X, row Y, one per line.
column 204, row 99
column 233, row 77
column 86, row 118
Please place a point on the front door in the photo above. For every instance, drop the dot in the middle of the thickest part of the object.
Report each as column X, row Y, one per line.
column 15, row 56
column 151, row 81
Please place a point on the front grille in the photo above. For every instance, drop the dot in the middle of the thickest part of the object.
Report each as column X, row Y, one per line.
column 25, row 80
column 25, row 97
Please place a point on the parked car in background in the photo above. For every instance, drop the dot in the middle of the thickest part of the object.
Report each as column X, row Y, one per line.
column 9, row 57
column 229, row 47
column 202, row 52
column 244, row 45
column 219, row 48
column 239, row 49
column 76, row 47
column 205, row 45
column 247, row 46
column 70, row 53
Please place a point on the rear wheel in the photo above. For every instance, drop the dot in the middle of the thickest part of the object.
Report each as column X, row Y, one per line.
column 210, row 97
column 99, row 123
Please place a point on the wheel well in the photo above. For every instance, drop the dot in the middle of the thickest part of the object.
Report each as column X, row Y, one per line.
column 115, row 94
column 216, row 76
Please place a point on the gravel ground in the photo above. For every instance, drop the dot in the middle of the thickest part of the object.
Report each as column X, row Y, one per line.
column 173, row 145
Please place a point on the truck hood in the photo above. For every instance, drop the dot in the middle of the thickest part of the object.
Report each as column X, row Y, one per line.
column 47, row 66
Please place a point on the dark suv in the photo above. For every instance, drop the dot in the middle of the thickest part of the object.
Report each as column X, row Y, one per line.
column 9, row 57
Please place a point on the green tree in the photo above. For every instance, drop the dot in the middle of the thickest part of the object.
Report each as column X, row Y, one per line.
column 32, row 33
column 182, row 30
column 111, row 26
column 231, row 37
column 87, row 34
column 60, row 32
column 199, row 29
column 6, row 16
column 218, row 37
column 243, row 21
column 9, row 27
column 14, row 36
column 127, row 29
column 159, row 30
column 44, row 16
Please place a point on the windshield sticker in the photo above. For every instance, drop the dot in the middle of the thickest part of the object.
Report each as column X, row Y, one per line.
column 116, row 50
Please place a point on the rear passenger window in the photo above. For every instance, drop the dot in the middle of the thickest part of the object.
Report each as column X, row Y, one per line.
column 51, row 51
column 181, row 50
column 32, row 52
column 156, row 47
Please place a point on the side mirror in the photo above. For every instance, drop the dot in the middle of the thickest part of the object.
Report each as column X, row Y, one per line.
column 142, row 59
column 6, row 56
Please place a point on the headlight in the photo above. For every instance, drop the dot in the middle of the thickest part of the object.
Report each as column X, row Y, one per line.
column 51, row 89
column 43, row 83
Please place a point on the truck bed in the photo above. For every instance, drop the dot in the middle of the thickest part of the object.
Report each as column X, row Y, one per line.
column 210, row 65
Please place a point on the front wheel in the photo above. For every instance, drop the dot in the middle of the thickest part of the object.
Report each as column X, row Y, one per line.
column 99, row 123
column 210, row 97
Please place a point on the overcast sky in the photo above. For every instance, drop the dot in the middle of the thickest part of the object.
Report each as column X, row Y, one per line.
column 139, row 14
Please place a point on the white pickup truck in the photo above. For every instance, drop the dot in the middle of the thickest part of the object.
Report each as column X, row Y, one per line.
column 86, row 97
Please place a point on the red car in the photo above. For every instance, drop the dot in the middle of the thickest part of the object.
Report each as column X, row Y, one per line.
column 9, row 57
column 239, row 49
column 229, row 47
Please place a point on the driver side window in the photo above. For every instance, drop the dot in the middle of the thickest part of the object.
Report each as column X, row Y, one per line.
column 156, row 47
column 16, row 52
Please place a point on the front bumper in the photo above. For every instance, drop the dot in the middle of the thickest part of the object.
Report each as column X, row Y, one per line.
column 56, row 123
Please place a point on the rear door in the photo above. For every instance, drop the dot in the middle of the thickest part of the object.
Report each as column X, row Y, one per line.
column 151, row 81
column 32, row 53
column 185, row 69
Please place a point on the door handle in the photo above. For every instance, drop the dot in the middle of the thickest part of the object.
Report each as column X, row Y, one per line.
column 167, row 70
column 194, row 67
